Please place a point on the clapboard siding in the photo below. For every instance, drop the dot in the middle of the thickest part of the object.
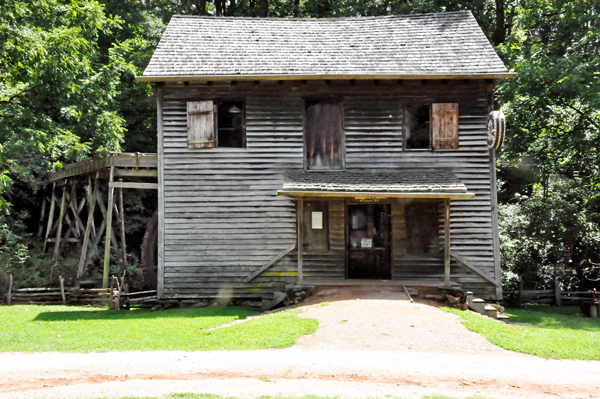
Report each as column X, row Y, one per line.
column 223, row 219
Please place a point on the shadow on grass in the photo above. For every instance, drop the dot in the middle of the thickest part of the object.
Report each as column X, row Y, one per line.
column 553, row 317
column 107, row 314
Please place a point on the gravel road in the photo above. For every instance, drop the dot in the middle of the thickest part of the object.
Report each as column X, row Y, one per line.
column 369, row 344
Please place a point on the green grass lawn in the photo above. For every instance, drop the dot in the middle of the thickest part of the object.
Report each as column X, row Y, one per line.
column 29, row 328
column 555, row 332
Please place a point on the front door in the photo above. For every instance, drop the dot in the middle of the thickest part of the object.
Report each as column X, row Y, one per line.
column 368, row 241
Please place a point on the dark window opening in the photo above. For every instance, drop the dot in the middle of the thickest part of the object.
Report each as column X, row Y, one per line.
column 323, row 135
column 316, row 226
column 422, row 228
column 230, row 124
column 418, row 130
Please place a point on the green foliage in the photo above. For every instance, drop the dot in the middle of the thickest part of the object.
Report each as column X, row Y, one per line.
column 549, row 333
column 87, row 329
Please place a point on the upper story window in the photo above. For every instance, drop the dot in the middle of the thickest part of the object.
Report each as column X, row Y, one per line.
column 216, row 124
column 323, row 136
column 430, row 126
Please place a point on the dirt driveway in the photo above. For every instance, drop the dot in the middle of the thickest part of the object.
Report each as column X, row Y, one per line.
column 371, row 343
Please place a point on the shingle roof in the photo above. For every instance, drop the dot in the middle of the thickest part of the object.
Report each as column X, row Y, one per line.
column 437, row 182
column 448, row 44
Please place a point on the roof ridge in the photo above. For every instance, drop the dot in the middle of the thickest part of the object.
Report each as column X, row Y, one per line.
column 434, row 14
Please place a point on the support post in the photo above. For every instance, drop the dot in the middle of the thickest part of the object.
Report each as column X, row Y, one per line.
column 299, row 217
column 60, row 221
column 495, row 232
column 9, row 292
column 109, row 213
column 50, row 217
column 447, row 242
column 557, row 293
column 160, row 274
column 88, row 228
column 122, row 217
column 42, row 217
column 61, row 280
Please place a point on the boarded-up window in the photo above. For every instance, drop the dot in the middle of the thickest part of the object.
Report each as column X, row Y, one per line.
column 422, row 228
column 444, row 120
column 324, row 135
column 417, row 135
column 316, row 226
column 201, row 125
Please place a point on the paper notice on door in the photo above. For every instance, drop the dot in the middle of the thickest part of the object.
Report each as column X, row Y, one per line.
column 317, row 220
column 366, row 243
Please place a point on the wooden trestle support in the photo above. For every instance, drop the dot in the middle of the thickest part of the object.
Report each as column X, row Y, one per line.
column 77, row 188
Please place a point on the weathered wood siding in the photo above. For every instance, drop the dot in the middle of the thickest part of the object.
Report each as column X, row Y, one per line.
column 222, row 219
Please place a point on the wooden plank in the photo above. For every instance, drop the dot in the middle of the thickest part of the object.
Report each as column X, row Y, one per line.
column 300, row 234
column 495, row 224
column 9, row 291
column 468, row 264
column 122, row 219
column 42, row 218
column 121, row 184
column 88, row 228
column 61, row 280
column 447, row 242
column 270, row 262
column 60, row 222
column 50, row 217
column 108, row 217
column 161, row 193
column 343, row 194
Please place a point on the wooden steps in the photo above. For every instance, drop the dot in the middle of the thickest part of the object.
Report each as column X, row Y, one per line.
column 480, row 306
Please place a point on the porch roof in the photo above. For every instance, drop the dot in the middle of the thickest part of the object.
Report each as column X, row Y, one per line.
column 381, row 183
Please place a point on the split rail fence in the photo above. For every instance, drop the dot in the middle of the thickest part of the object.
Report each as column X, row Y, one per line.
column 550, row 296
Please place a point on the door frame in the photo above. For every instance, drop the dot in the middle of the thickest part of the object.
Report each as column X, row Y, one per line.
column 355, row 201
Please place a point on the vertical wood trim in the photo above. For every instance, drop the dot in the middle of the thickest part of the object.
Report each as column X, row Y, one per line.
column 495, row 232
column 300, row 233
column 122, row 217
column 88, row 228
column 109, row 214
column 161, row 194
column 447, row 242
column 60, row 221
column 50, row 217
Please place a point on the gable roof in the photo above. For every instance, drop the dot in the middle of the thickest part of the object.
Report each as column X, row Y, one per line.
column 420, row 46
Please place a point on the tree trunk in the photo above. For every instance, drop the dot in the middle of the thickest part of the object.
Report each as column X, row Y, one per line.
column 201, row 7
column 231, row 8
column 296, row 8
column 148, row 259
column 264, row 8
column 500, row 32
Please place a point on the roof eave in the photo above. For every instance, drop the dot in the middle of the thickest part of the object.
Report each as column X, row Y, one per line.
column 204, row 78
column 405, row 194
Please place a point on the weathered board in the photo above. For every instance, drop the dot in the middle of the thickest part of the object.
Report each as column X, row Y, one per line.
column 223, row 220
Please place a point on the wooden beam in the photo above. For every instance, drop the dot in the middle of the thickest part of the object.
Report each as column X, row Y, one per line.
column 342, row 194
column 113, row 237
column 60, row 222
column 122, row 219
column 495, row 232
column 136, row 172
column 50, row 217
column 160, row 274
column 109, row 213
column 447, row 242
column 300, row 233
column 88, row 228
column 473, row 268
column 42, row 217
column 150, row 186
column 270, row 263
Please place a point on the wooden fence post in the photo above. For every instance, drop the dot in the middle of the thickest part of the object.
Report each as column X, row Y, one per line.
column 9, row 293
column 61, row 280
column 520, row 299
column 557, row 293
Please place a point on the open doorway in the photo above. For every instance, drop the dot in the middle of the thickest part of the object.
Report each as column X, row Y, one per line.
column 369, row 242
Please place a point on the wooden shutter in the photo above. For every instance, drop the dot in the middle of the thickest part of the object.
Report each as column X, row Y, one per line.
column 201, row 125
column 444, row 121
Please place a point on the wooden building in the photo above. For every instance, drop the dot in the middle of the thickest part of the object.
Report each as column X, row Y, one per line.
column 364, row 142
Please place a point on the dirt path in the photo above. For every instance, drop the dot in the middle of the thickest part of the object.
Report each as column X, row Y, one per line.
column 377, row 345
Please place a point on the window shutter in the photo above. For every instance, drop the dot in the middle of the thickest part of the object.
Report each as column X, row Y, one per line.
column 201, row 126
column 444, row 120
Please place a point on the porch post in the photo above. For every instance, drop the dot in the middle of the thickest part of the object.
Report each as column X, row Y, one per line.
column 447, row 242
column 299, row 214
